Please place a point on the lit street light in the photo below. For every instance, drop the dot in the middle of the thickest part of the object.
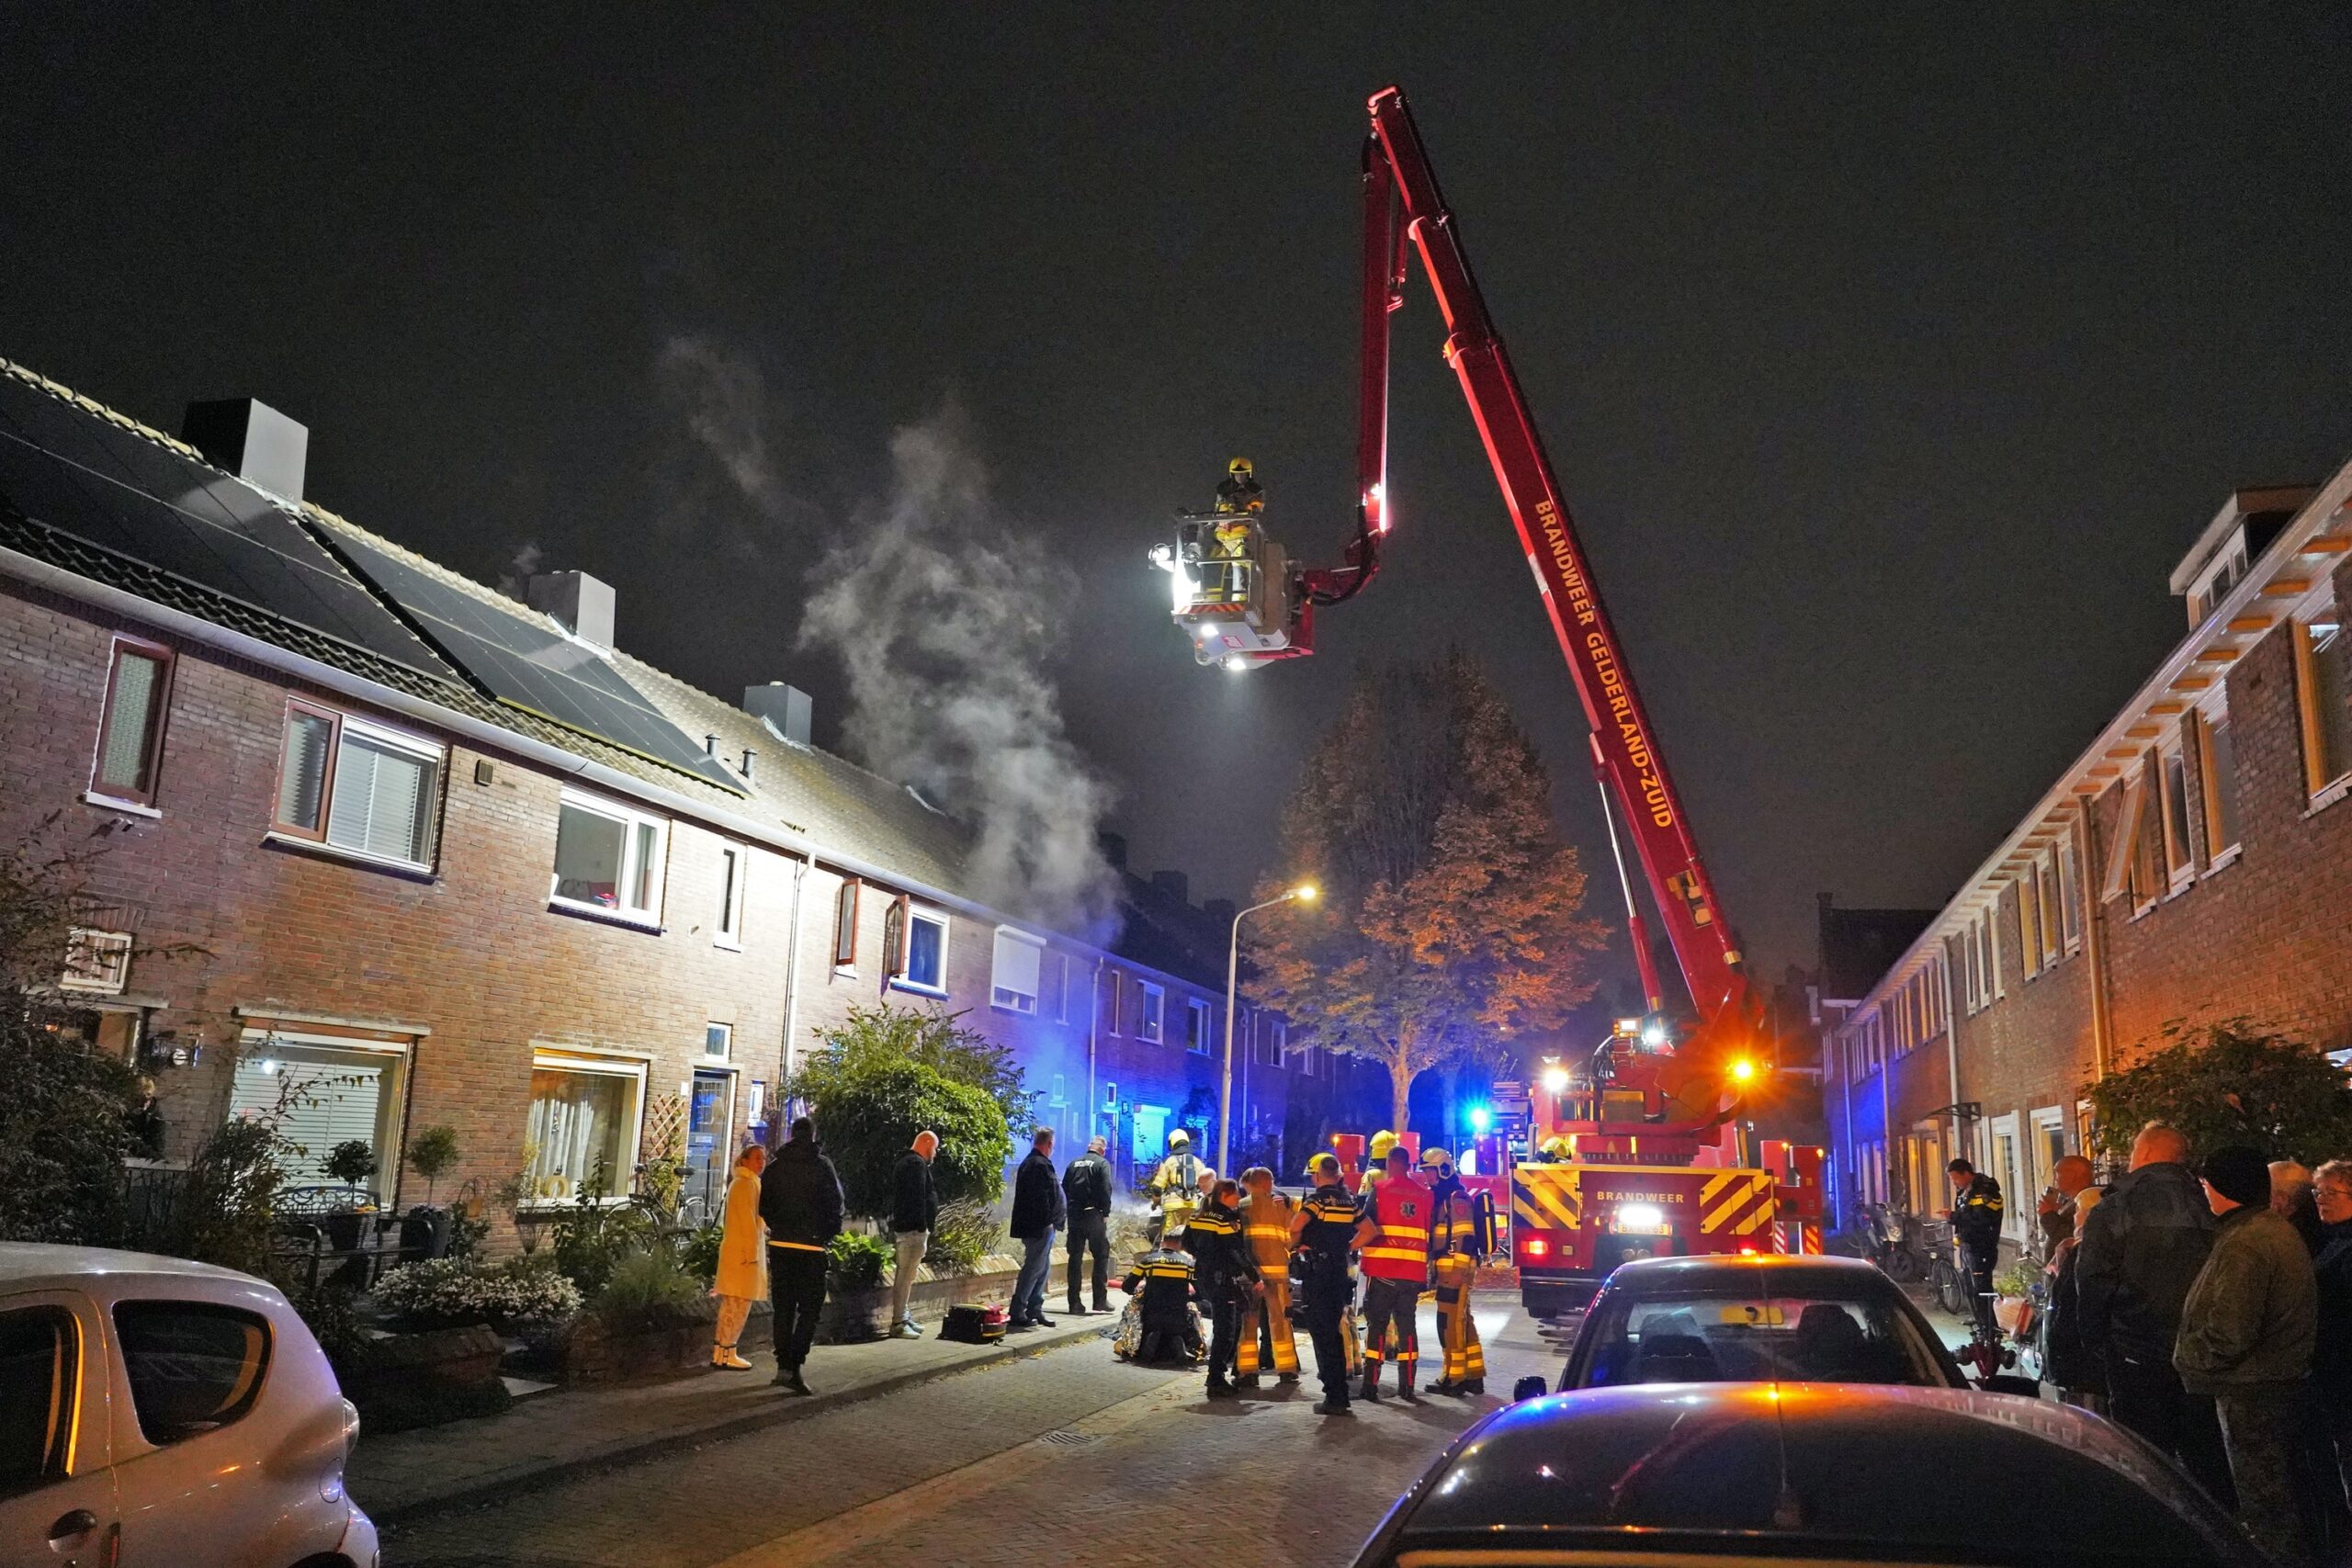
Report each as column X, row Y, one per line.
column 1305, row 893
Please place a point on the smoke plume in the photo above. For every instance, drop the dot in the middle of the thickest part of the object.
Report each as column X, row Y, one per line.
column 946, row 617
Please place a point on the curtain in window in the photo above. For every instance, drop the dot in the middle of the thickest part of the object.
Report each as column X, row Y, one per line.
column 576, row 1124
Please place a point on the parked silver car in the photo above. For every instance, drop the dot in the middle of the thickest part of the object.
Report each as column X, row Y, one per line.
column 156, row 1413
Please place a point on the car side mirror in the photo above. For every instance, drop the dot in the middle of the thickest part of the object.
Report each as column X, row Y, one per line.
column 1529, row 1387
column 2010, row 1382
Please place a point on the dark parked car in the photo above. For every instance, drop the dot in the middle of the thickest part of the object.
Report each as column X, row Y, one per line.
column 1803, row 1472
column 1751, row 1319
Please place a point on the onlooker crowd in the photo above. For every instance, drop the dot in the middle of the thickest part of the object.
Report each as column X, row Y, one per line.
column 2207, row 1307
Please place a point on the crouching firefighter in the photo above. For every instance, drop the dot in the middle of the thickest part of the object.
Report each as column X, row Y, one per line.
column 1462, row 1235
column 1265, row 1324
column 1394, row 1236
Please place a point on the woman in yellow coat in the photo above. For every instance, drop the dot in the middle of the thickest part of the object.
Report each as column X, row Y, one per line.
column 742, row 1258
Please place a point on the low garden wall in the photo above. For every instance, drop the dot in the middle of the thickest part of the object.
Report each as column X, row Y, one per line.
column 853, row 1315
column 423, row 1379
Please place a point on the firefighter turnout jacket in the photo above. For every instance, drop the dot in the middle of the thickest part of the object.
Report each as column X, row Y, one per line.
column 1398, row 1245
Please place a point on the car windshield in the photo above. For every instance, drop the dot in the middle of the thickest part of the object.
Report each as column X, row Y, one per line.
column 1723, row 1338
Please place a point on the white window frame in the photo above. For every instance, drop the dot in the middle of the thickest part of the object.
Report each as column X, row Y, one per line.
column 2208, row 722
column 2009, row 1172
column 340, row 725
column 2311, row 725
column 725, row 1034
column 904, row 979
column 1060, row 961
column 2181, row 858
column 97, row 962
column 2070, row 893
column 1152, row 1023
column 634, row 1069
column 391, row 1103
column 734, row 863
column 631, row 820
column 1196, row 1008
column 1012, row 998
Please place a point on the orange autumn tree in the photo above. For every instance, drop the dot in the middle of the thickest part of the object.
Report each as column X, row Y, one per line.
column 1451, row 918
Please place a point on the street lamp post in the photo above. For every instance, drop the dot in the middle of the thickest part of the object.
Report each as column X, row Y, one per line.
column 1303, row 892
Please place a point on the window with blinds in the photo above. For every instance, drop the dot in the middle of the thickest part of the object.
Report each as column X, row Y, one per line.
column 130, row 727
column 1014, row 977
column 351, row 784
column 319, row 1097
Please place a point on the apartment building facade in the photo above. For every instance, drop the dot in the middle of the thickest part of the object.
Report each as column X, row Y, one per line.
column 2193, row 865
column 397, row 850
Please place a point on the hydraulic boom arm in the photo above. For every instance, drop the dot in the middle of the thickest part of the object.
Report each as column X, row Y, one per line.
column 1401, row 204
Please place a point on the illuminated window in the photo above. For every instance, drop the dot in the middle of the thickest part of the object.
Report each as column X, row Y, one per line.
column 2217, row 764
column 2028, row 926
column 917, row 943
column 583, row 1128
column 608, row 858
column 131, row 724
column 2320, row 698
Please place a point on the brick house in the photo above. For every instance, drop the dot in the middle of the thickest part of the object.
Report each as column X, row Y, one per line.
column 452, row 859
column 2192, row 865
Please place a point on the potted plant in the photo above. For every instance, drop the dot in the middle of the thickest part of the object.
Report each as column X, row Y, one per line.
column 425, row 1232
column 350, row 1162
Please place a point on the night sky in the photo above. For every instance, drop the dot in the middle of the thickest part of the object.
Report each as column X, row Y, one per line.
column 1890, row 356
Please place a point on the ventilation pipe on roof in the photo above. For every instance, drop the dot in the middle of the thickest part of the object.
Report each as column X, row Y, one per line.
column 710, row 745
column 750, row 763
column 583, row 605
column 785, row 708
column 251, row 440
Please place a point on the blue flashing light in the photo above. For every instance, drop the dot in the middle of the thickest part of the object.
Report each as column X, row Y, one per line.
column 1480, row 1119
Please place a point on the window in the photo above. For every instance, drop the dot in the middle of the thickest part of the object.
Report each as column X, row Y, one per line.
column 2028, row 926
column 2319, row 699
column 919, row 949
column 41, row 1364
column 730, row 896
column 2069, row 907
column 131, row 724
column 1155, row 1006
column 2180, row 869
column 357, row 788
column 608, row 858
column 97, row 962
column 1053, row 1002
column 1014, row 978
column 1198, row 1035
column 845, row 925
column 194, row 1368
column 1111, row 1003
column 2045, row 886
column 583, row 1128
column 717, row 1040
column 2131, row 862
column 320, row 1093
column 1992, row 953
column 2217, row 767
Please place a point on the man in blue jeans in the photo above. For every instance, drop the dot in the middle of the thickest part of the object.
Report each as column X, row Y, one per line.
column 1037, row 1213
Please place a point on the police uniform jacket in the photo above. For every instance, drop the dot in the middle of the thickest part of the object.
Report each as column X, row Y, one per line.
column 1328, row 1234
column 1221, row 1253
column 1162, row 1281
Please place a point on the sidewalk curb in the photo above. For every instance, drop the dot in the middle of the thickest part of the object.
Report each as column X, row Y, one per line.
column 508, row 1485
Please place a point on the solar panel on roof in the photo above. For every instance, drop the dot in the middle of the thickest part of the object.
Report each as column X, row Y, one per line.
column 523, row 660
column 76, row 472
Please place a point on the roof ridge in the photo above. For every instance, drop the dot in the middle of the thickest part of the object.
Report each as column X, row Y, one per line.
column 90, row 405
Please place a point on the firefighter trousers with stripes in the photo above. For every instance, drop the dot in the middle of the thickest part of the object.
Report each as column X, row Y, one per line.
column 1268, row 1317
column 1391, row 1305
column 1464, row 1357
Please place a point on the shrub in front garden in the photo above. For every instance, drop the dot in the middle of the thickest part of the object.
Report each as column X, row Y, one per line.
column 448, row 1292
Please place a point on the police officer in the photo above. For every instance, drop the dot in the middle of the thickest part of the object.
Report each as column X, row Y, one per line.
column 1394, row 1236
column 1265, row 1320
column 1977, row 1225
column 1461, row 1234
column 1161, row 1284
column 1227, row 1278
column 1325, row 1229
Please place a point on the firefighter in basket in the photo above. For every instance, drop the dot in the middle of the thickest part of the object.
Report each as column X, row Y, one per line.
column 1176, row 1186
column 1266, row 1338
column 1461, row 1238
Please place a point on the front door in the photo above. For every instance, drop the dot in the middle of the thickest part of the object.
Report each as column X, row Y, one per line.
column 710, row 1115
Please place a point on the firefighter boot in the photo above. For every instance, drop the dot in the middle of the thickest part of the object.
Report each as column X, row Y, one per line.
column 1405, row 1370
column 1369, row 1392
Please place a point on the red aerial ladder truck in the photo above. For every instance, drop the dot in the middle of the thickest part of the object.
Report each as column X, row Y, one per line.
column 1634, row 1150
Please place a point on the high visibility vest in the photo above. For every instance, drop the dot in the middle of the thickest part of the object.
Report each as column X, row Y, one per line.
column 1267, row 1222
column 1400, row 1250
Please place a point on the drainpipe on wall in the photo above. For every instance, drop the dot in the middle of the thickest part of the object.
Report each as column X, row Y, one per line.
column 2094, row 945
column 800, row 869
column 1094, row 1028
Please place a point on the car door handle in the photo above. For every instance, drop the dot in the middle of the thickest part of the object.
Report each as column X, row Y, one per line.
column 70, row 1527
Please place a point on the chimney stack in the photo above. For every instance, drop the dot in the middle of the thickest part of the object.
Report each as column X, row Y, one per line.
column 582, row 603
column 785, row 708
column 1114, row 848
column 251, row 440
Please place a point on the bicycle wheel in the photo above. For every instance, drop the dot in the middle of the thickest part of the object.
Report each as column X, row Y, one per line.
column 1902, row 1265
column 1952, row 1289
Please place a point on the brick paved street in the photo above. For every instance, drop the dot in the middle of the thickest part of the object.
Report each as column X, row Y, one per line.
column 1054, row 1458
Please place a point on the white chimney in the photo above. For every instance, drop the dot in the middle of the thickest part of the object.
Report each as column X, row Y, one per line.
column 251, row 440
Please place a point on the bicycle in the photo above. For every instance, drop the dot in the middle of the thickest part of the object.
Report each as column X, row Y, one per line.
column 1947, row 1281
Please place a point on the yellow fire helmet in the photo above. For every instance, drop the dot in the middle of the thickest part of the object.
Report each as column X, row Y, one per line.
column 1436, row 1160
column 1323, row 1165
column 1240, row 468
column 1180, row 1139
column 1555, row 1145
column 1382, row 1142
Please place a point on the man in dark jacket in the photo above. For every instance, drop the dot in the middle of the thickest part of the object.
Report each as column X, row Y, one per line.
column 1086, row 1191
column 915, row 1209
column 801, row 1200
column 1037, row 1212
column 2331, row 1386
column 2065, row 1207
column 2141, row 1250
column 1977, row 1225
column 2246, row 1342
